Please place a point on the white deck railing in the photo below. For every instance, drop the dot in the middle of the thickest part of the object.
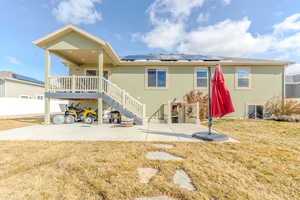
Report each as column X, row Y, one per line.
column 81, row 84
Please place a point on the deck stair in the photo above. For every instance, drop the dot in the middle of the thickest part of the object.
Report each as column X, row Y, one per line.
column 111, row 94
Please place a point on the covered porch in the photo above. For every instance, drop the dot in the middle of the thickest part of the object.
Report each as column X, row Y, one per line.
column 88, row 59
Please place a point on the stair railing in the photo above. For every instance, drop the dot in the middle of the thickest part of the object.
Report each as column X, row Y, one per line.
column 124, row 98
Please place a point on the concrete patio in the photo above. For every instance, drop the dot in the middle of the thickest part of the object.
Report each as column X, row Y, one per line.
column 106, row 132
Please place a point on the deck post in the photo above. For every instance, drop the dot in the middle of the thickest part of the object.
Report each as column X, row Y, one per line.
column 100, row 88
column 169, row 112
column 47, row 118
column 198, row 112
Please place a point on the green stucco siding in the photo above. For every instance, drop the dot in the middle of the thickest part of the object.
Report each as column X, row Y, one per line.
column 266, row 82
column 73, row 41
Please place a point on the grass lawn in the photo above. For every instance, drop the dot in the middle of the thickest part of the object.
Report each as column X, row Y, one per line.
column 17, row 123
column 264, row 165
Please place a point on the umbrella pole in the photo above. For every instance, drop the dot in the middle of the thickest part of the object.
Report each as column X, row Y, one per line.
column 209, row 101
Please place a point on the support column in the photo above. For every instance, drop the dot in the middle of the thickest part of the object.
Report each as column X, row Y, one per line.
column 100, row 101
column 47, row 118
column 169, row 112
column 197, row 112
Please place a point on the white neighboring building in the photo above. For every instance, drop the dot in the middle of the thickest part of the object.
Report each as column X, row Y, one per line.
column 292, row 86
column 19, row 86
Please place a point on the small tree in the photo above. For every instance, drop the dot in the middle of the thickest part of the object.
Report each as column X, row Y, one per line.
column 195, row 96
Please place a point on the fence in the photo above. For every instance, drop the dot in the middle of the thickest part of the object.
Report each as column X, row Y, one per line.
column 18, row 106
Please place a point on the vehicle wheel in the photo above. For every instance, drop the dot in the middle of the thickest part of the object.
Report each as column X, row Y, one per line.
column 69, row 119
column 58, row 119
column 89, row 120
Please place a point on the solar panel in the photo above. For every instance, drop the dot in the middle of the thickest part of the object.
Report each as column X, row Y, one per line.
column 26, row 78
column 170, row 57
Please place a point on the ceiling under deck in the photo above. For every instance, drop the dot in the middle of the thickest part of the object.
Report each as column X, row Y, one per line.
column 81, row 57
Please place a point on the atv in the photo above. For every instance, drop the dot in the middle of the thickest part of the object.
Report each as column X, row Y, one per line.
column 73, row 113
column 89, row 115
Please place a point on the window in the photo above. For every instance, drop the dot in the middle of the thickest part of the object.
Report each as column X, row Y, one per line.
column 156, row 78
column 25, row 97
column 255, row 112
column 40, row 97
column 201, row 77
column 91, row 72
column 243, row 78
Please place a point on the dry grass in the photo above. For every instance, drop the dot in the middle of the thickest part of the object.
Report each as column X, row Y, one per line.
column 18, row 123
column 264, row 165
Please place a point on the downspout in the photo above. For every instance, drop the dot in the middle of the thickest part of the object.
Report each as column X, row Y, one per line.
column 283, row 82
column 283, row 88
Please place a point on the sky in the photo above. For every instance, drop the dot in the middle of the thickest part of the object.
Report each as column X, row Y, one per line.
column 267, row 29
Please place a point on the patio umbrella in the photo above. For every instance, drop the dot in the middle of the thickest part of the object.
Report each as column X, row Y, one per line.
column 220, row 102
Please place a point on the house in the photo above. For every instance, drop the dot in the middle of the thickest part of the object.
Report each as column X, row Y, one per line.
column 19, row 86
column 293, row 86
column 140, row 86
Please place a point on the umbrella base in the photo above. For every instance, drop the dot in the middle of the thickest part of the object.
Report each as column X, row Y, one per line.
column 213, row 137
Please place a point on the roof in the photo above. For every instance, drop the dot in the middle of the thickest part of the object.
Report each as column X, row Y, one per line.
column 171, row 57
column 153, row 59
column 14, row 76
column 194, row 58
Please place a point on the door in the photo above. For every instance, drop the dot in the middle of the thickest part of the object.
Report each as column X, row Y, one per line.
column 94, row 72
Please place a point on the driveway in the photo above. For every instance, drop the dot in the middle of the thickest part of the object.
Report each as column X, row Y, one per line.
column 105, row 132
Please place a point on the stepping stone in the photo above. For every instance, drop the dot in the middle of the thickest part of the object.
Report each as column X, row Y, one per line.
column 155, row 198
column 182, row 179
column 146, row 174
column 164, row 146
column 159, row 155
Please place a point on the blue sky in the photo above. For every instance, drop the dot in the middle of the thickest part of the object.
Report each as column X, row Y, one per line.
column 266, row 29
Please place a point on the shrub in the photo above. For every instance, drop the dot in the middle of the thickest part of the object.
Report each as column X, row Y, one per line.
column 195, row 96
column 278, row 107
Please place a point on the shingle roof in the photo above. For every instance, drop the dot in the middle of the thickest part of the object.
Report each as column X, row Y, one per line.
column 193, row 57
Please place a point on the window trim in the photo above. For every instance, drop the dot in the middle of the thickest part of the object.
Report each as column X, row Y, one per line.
column 97, row 72
column 249, row 78
column 39, row 95
column 195, row 77
column 86, row 69
column 156, row 88
column 254, row 104
column 24, row 95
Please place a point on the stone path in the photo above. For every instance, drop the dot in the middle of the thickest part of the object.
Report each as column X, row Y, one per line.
column 146, row 174
column 182, row 179
column 160, row 155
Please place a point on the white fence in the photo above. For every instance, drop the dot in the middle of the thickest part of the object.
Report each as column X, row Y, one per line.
column 18, row 106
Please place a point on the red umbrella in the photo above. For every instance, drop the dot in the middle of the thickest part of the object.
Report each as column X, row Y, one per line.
column 221, row 98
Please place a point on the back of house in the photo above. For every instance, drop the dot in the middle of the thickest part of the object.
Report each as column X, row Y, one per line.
column 142, row 85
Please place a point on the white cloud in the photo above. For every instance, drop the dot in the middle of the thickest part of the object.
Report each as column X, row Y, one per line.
column 227, row 2
column 290, row 42
column 13, row 60
column 168, row 18
column 77, row 11
column 203, row 17
column 165, row 36
column 175, row 10
column 293, row 69
column 226, row 38
column 291, row 23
